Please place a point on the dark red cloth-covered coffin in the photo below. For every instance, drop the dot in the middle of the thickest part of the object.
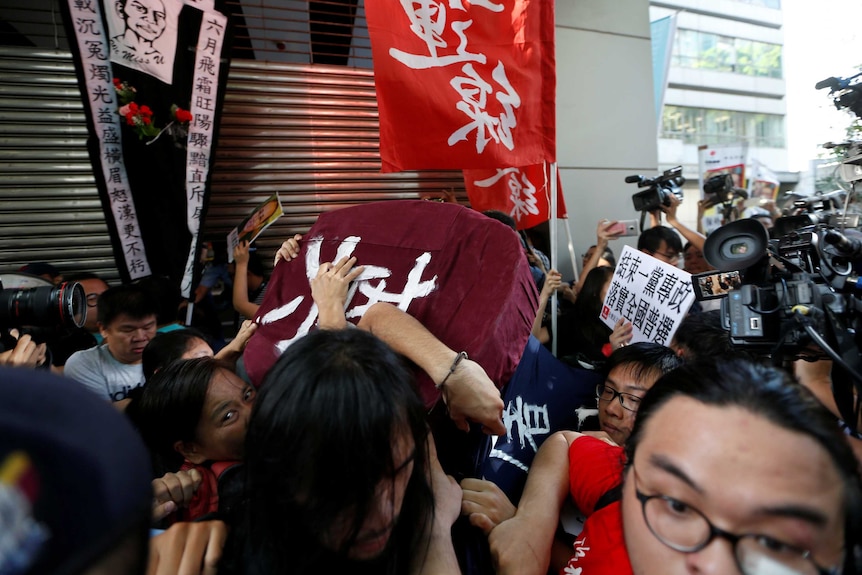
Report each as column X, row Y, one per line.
column 463, row 275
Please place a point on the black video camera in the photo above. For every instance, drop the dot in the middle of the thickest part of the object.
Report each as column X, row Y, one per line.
column 719, row 189
column 658, row 190
column 795, row 290
column 845, row 92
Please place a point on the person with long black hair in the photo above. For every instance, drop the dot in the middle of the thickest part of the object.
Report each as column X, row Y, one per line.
column 341, row 474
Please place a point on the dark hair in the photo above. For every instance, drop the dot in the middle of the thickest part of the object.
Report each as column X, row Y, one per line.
column 168, row 347
column 125, row 299
column 650, row 239
column 770, row 393
column 643, row 359
column 319, row 443
column 171, row 403
column 501, row 217
column 607, row 254
column 701, row 336
column 255, row 264
column 81, row 276
column 591, row 332
column 166, row 293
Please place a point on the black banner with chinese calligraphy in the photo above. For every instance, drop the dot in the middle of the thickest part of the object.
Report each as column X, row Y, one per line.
column 152, row 76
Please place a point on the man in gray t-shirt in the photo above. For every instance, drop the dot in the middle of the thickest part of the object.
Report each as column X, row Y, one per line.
column 127, row 322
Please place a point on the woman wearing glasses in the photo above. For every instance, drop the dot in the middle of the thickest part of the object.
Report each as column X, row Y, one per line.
column 731, row 468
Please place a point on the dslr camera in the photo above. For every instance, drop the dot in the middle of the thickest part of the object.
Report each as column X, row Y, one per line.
column 658, row 189
column 41, row 310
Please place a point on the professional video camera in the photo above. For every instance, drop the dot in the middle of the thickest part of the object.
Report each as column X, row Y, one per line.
column 796, row 296
column 719, row 189
column 39, row 309
column 658, row 190
column 795, row 290
column 845, row 92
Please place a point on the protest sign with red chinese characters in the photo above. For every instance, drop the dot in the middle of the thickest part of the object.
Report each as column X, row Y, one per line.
column 464, row 278
column 523, row 193
column 652, row 295
column 464, row 84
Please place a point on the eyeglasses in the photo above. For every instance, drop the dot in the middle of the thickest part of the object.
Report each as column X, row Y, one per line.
column 627, row 400
column 670, row 257
column 92, row 299
column 687, row 530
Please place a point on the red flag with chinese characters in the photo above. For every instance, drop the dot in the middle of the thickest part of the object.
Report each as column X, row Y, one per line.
column 464, row 84
column 523, row 193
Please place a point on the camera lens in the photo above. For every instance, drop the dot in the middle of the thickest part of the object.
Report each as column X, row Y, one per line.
column 62, row 305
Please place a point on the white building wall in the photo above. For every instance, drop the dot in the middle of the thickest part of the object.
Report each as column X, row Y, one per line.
column 603, row 133
column 709, row 89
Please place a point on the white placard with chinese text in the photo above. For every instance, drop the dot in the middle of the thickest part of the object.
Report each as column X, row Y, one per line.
column 652, row 295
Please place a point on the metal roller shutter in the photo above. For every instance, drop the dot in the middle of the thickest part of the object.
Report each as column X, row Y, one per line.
column 49, row 206
column 309, row 132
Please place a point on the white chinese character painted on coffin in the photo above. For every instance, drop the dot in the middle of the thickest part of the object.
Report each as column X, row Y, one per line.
column 522, row 192
column 414, row 288
column 428, row 22
column 526, row 420
column 474, row 93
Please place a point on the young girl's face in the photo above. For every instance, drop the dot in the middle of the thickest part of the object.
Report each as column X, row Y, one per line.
column 220, row 434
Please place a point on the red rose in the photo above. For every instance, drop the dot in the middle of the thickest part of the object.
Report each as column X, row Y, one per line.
column 183, row 115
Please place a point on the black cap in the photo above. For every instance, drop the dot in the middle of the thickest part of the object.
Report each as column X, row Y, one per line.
column 74, row 475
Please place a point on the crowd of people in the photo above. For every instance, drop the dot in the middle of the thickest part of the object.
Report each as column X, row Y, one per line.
column 700, row 458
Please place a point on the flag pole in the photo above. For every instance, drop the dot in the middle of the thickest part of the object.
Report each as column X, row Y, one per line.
column 553, row 233
column 571, row 247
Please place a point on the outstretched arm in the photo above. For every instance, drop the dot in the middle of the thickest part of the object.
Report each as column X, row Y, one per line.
column 240, row 282
column 603, row 236
column 697, row 239
column 553, row 280
column 468, row 392
column 522, row 545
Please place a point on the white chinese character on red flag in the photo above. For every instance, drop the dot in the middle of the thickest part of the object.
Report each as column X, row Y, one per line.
column 458, row 86
column 474, row 92
column 523, row 193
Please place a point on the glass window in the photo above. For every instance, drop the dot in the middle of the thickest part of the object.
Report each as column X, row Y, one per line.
column 776, row 4
column 701, row 126
column 694, row 49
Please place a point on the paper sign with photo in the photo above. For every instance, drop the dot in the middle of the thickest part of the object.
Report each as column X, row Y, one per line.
column 652, row 295
column 251, row 227
column 144, row 35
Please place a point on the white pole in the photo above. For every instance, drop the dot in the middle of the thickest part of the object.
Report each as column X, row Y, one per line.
column 571, row 249
column 553, row 232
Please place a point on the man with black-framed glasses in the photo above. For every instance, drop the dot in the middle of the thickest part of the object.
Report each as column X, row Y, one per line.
column 630, row 372
column 731, row 469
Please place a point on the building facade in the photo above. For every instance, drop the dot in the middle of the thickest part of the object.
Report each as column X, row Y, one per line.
column 725, row 83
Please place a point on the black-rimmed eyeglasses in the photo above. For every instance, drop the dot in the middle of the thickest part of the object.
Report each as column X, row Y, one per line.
column 627, row 400
column 687, row 530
